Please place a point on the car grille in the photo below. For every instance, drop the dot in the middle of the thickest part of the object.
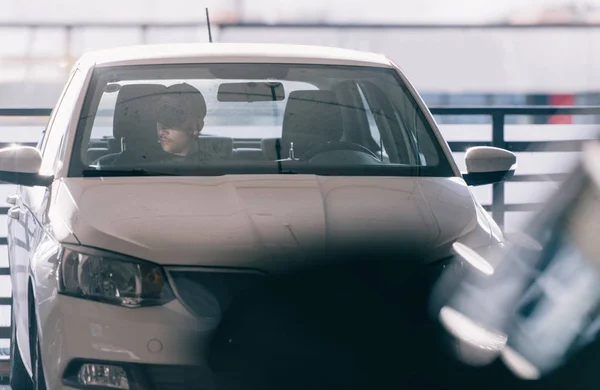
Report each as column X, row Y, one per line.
column 208, row 294
column 164, row 377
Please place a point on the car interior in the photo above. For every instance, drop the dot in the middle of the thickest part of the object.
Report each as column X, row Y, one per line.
column 328, row 126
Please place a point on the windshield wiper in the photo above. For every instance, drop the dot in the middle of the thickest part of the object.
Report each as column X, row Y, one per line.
column 123, row 172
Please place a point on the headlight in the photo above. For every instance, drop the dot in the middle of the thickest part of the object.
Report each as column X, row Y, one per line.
column 111, row 278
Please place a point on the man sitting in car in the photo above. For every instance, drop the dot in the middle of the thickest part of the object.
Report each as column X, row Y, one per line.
column 181, row 109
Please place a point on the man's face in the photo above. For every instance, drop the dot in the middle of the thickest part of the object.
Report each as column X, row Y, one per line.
column 180, row 141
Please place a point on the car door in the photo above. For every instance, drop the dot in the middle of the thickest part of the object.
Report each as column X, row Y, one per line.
column 24, row 229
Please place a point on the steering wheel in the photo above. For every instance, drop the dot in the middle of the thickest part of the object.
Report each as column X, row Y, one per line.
column 337, row 145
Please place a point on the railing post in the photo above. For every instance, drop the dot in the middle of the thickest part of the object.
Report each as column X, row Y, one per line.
column 498, row 206
column 144, row 34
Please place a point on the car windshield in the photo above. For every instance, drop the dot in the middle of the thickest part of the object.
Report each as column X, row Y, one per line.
column 207, row 119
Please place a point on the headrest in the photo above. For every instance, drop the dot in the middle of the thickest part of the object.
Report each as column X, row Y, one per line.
column 269, row 148
column 311, row 118
column 134, row 116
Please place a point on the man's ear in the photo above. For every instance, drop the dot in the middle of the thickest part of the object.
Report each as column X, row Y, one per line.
column 199, row 127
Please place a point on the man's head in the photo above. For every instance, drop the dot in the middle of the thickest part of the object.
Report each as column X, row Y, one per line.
column 180, row 118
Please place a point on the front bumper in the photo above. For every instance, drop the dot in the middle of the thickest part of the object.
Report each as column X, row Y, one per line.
column 156, row 343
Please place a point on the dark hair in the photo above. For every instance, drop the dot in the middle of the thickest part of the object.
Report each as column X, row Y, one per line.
column 180, row 104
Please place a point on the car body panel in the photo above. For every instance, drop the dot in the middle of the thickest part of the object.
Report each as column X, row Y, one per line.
column 164, row 335
column 233, row 52
column 233, row 221
column 243, row 220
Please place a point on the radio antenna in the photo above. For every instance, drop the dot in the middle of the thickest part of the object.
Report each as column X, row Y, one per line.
column 208, row 25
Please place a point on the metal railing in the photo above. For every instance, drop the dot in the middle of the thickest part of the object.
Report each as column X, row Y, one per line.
column 498, row 115
column 498, row 119
column 5, row 331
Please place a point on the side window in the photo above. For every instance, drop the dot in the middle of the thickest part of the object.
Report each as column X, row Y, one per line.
column 42, row 142
column 102, row 126
column 43, row 137
column 59, row 123
column 388, row 128
column 377, row 135
column 402, row 114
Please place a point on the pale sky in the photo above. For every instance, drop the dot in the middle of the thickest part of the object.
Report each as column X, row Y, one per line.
column 372, row 11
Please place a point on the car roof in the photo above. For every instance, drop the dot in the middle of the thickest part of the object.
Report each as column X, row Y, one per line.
column 232, row 52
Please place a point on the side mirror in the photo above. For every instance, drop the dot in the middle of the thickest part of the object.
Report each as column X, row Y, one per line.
column 21, row 165
column 487, row 165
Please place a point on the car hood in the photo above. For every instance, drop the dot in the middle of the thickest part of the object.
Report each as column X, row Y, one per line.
column 255, row 221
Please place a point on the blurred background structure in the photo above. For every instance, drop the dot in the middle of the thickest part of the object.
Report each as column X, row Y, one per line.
column 464, row 52
column 460, row 53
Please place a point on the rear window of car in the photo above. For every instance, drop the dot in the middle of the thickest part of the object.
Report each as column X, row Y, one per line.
column 206, row 119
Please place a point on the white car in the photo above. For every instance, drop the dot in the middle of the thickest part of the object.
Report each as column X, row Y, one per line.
column 118, row 239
